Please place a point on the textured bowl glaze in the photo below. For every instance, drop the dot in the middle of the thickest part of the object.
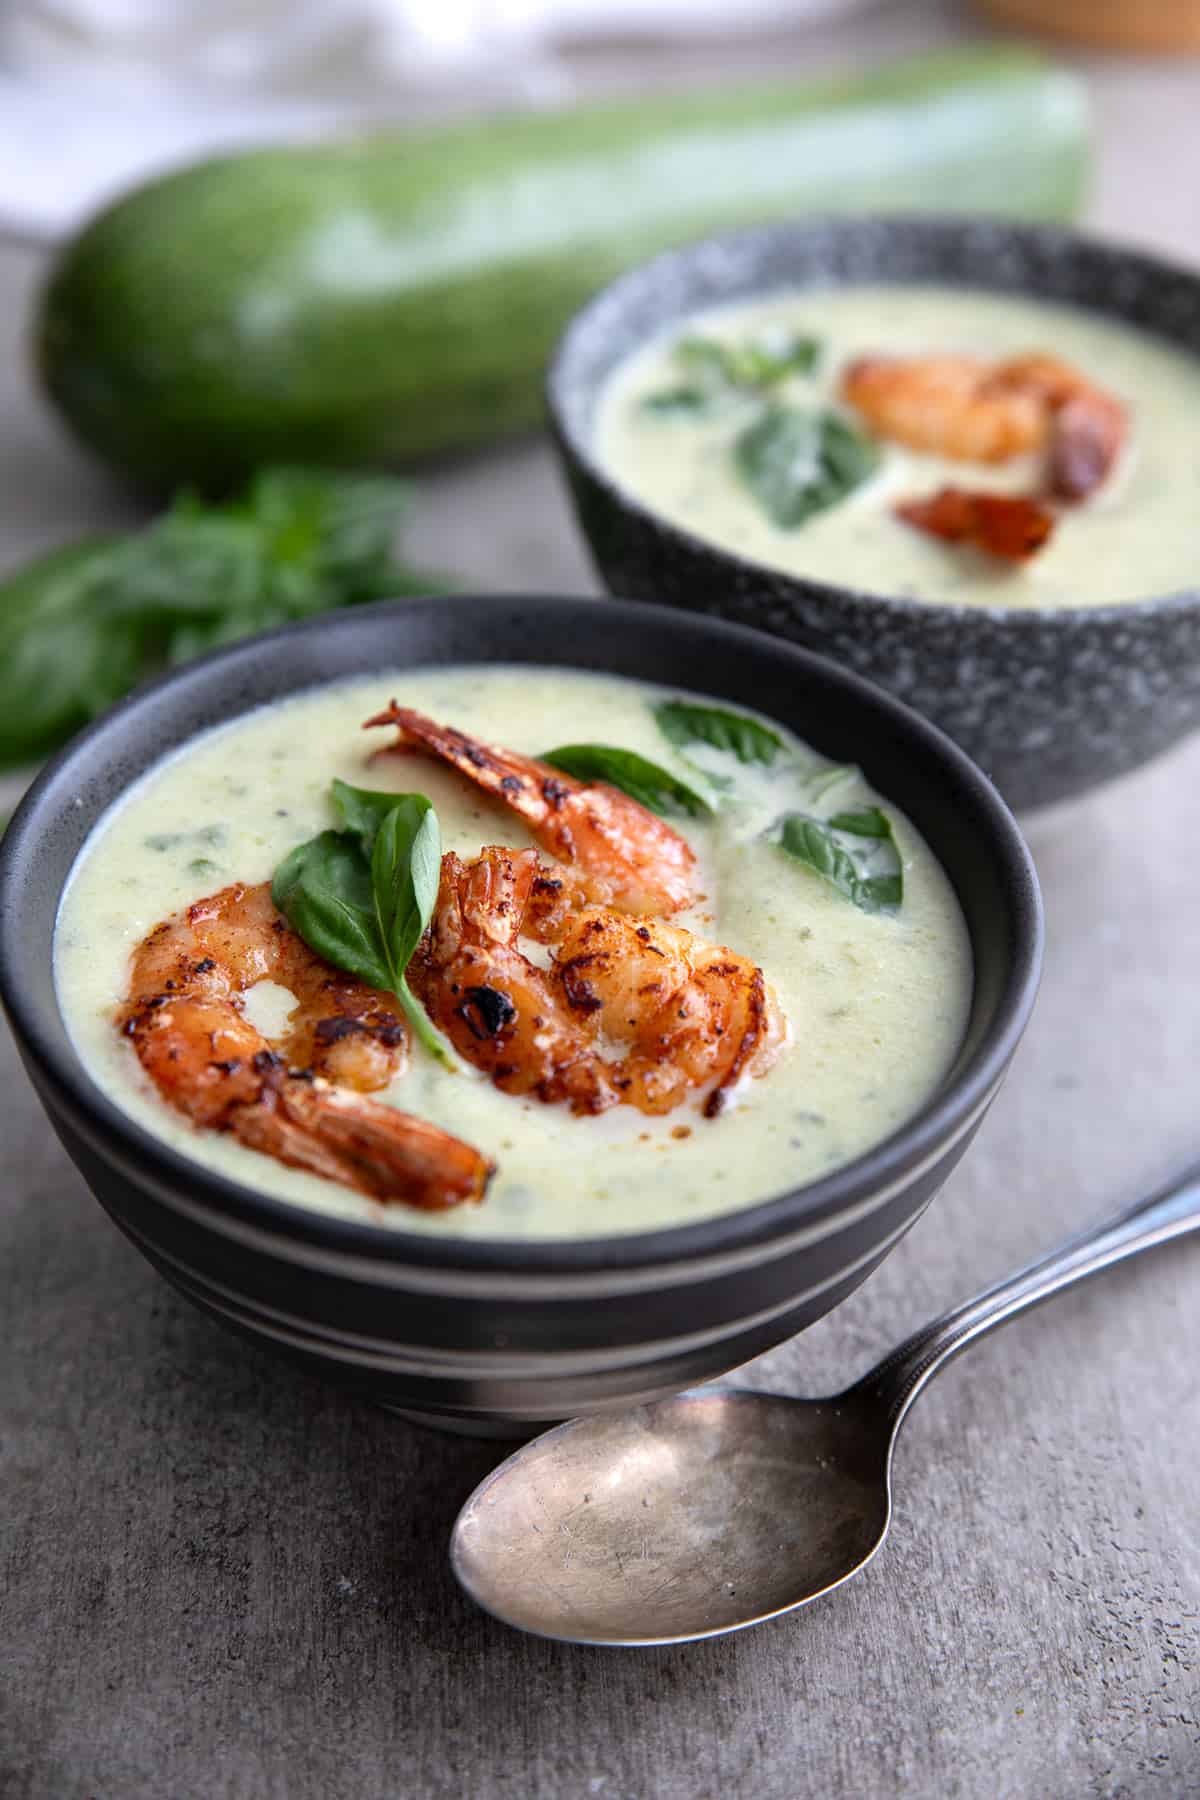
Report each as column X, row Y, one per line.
column 1050, row 702
column 504, row 1334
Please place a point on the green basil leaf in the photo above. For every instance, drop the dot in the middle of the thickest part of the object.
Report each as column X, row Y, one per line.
column 405, row 868
column 717, row 370
column 364, row 905
column 684, row 722
column 756, row 362
column 324, row 890
column 871, row 875
column 405, row 865
column 644, row 781
column 797, row 463
column 82, row 626
column 707, row 358
column 363, row 810
column 682, row 399
column 866, row 821
column 61, row 661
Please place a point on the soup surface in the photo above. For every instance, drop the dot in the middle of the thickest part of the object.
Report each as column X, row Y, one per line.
column 876, row 1000
column 1134, row 537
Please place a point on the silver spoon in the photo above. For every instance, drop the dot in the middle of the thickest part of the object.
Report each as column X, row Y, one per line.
column 691, row 1517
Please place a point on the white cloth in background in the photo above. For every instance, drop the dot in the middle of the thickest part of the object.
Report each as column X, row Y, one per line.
column 98, row 94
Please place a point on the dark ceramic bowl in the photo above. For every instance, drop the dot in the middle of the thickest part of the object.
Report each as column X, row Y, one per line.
column 502, row 1333
column 1049, row 702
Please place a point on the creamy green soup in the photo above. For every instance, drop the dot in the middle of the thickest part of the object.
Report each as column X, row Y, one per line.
column 1134, row 538
column 876, row 1000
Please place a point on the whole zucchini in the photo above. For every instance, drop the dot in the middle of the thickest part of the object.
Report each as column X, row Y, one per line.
column 393, row 296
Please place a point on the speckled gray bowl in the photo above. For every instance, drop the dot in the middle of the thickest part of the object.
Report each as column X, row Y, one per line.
column 1049, row 702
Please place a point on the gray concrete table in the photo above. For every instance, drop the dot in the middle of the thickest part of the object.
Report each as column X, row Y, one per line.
column 220, row 1579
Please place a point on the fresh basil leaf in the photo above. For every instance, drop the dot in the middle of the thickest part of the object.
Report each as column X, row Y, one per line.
column 324, row 890
column 643, row 780
column 756, row 362
column 866, row 821
column 797, row 463
column 399, row 834
column 779, row 352
column 361, row 898
column 717, row 370
column 682, row 399
column 61, row 661
column 706, row 358
column 363, row 810
column 405, row 864
column 871, row 876
column 405, row 867
column 811, row 842
column 80, row 627
column 685, row 722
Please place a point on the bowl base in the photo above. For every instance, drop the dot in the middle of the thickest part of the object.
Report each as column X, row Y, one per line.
column 463, row 1425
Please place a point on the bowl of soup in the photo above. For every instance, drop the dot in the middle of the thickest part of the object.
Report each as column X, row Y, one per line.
column 957, row 456
column 513, row 1007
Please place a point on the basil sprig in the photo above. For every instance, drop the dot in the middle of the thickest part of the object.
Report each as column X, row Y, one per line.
column 82, row 625
column 866, row 869
column 756, row 362
column 643, row 780
column 362, row 897
column 797, row 462
column 363, row 811
column 685, row 398
column 684, row 722
column 715, row 371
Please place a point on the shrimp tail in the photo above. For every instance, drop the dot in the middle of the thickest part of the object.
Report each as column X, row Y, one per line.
column 622, row 852
column 387, row 1154
column 1089, row 431
column 531, row 788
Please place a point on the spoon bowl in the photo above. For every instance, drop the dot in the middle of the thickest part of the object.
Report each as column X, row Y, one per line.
column 683, row 1519
column 693, row 1517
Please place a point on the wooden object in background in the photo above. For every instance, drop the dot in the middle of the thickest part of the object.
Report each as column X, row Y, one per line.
column 1152, row 26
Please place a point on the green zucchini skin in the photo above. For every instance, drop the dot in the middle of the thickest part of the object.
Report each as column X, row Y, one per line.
column 393, row 297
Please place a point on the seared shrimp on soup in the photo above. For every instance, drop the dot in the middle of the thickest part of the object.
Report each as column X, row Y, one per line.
column 969, row 410
column 301, row 1098
column 630, row 1010
column 623, row 854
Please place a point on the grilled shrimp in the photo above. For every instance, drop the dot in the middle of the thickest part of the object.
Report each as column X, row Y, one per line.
column 623, row 854
column 498, row 1009
column 960, row 407
column 629, row 1010
column 692, row 1014
column 1009, row 526
column 302, row 1098
column 1088, row 425
column 942, row 404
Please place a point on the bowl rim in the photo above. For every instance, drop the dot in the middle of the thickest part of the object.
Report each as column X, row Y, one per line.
column 578, row 448
column 917, row 1142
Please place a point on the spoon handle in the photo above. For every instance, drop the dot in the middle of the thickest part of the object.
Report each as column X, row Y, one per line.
column 898, row 1379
